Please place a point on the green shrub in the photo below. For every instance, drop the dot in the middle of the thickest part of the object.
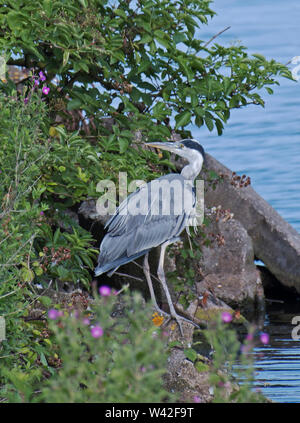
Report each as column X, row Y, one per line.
column 142, row 63
column 232, row 366
column 123, row 362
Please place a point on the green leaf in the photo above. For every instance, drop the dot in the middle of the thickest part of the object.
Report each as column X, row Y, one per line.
column 123, row 144
column 179, row 37
column 27, row 275
column 120, row 12
column 46, row 301
column 191, row 354
column 269, row 90
column 209, row 123
column 66, row 56
column 74, row 104
column 219, row 126
column 83, row 3
column 259, row 57
column 43, row 359
column 56, row 236
column 183, row 119
column 201, row 367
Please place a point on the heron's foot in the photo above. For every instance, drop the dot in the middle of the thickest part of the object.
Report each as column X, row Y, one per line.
column 176, row 317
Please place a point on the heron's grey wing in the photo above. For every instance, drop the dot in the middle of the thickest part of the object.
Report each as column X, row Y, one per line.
column 155, row 231
column 120, row 230
column 118, row 220
column 134, row 233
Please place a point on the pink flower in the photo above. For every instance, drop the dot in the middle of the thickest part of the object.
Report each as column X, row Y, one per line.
column 86, row 321
column 197, row 398
column 249, row 337
column 96, row 331
column 42, row 76
column 53, row 314
column 46, row 90
column 105, row 291
column 36, row 82
column 226, row 317
column 264, row 337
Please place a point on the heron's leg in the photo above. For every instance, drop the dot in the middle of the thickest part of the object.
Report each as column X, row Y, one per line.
column 146, row 270
column 162, row 278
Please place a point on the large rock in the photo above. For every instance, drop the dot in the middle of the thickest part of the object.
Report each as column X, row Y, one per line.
column 275, row 242
column 227, row 264
column 183, row 378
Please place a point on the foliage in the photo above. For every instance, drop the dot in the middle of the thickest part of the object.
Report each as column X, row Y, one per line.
column 30, row 164
column 231, row 371
column 186, row 255
column 118, row 77
column 29, row 225
column 115, row 60
column 124, row 363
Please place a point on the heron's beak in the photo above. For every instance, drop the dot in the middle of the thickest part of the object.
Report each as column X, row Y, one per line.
column 173, row 147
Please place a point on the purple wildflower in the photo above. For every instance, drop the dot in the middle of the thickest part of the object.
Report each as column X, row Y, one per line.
column 249, row 337
column 42, row 76
column 105, row 291
column 46, row 90
column 197, row 398
column 226, row 317
column 26, row 100
column 264, row 337
column 53, row 314
column 86, row 321
column 96, row 331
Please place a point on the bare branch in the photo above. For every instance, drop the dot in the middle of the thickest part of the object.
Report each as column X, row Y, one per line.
column 216, row 35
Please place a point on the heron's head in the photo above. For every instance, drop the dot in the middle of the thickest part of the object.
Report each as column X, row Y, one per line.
column 189, row 149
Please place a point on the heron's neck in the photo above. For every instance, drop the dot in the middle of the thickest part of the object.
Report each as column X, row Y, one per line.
column 192, row 170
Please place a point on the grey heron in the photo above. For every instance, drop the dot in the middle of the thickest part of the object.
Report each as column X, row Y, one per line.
column 149, row 218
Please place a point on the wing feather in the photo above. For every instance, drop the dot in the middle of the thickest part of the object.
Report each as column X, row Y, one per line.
column 129, row 234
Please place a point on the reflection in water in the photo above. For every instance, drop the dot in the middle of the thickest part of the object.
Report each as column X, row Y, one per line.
column 277, row 365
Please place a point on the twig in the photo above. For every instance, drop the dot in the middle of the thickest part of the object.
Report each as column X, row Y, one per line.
column 9, row 293
column 129, row 276
column 29, row 304
column 122, row 289
column 17, row 252
column 216, row 35
column 141, row 267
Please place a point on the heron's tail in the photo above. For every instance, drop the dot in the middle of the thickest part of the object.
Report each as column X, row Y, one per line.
column 99, row 270
column 117, row 263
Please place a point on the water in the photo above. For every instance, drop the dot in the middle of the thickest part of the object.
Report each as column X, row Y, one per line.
column 265, row 145
column 277, row 365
